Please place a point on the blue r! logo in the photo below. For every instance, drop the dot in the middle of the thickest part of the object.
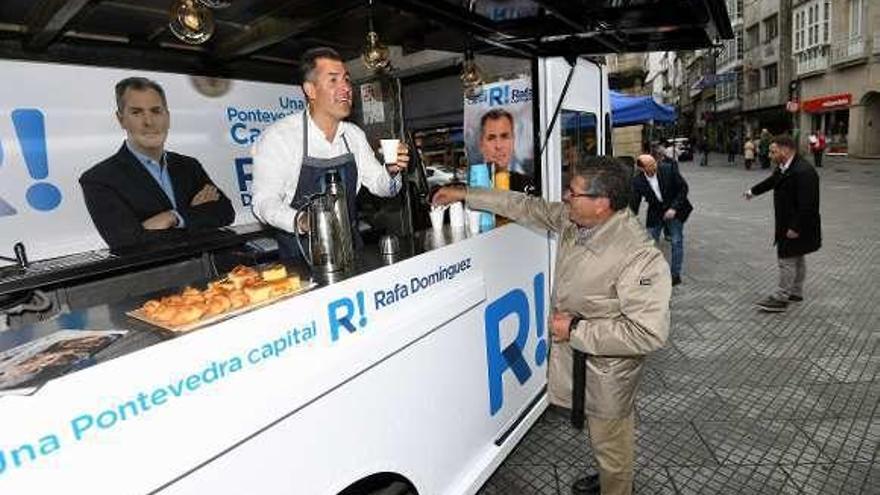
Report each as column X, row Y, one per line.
column 511, row 358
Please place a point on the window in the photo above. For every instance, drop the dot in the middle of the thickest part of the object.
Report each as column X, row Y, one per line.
column 753, row 34
column 579, row 136
column 771, row 28
column 855, row 17
column 754, row 80
column 812, row 22
column 771, row 76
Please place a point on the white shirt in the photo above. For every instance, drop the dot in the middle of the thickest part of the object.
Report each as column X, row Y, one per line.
column 655, row 185
column 787, row 164
column 278, row 158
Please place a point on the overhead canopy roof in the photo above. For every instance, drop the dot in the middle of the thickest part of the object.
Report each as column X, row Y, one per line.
column 262, row 39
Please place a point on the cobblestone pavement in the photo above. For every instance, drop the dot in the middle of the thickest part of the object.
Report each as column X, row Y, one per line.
column 741, row 401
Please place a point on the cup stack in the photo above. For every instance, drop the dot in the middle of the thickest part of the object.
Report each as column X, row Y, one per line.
column 479, row 176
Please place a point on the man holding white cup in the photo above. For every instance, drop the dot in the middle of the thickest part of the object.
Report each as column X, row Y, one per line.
column 293, row 155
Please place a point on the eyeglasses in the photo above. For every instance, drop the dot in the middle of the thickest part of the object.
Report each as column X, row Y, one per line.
column 572, row 194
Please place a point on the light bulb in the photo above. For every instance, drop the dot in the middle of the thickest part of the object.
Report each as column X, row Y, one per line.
column 375, row 54
column 471, row 79
column 191, row 22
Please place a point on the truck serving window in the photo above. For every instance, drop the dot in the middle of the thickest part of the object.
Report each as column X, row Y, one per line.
column 579, row 140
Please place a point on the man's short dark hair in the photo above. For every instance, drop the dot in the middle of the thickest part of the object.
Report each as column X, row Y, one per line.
column 785, row 141
column 606, row 176
column 137, row 84
column 495, row 114
column 309, row 60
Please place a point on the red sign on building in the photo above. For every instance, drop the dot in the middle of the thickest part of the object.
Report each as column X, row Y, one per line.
column 827, row 103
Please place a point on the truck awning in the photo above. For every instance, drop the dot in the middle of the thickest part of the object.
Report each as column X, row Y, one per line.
column 262, row 39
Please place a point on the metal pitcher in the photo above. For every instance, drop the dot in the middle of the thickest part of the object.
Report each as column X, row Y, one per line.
column 330, row 239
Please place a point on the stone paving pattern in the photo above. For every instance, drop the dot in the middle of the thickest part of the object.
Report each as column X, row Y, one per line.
column 741, row 401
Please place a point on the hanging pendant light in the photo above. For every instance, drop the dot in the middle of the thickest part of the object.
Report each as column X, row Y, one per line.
column 375, row 54
column 191, row 21
column 471, row 76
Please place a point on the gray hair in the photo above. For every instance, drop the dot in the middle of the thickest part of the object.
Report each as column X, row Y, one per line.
column 309, row 60
column 137, row 84
column 607, row 177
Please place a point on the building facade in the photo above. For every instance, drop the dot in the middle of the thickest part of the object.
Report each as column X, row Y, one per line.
column 836, row 52
column 767, row 68
column 726, row 120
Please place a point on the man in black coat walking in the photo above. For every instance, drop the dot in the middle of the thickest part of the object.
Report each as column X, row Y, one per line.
column 798, row 231
column 665, row 191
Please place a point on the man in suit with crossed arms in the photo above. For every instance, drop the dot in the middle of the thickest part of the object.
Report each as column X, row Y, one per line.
column 144, row 194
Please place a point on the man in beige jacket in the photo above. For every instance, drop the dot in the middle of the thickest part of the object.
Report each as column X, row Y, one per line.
column 610, row 300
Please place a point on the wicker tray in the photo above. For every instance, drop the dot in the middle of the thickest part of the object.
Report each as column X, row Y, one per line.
column 138, row 313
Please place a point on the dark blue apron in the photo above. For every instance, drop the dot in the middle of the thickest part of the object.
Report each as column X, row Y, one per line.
column 311, row 181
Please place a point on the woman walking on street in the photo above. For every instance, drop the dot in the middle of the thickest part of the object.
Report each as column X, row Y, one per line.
column 749, row 152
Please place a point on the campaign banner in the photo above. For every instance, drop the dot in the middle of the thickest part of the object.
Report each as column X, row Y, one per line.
column 51, row 133
column 515, row 97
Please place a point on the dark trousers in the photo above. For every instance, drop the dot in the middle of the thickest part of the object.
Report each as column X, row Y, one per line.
column 817, row 158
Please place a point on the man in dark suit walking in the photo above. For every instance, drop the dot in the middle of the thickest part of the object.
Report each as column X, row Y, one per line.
column 144, row 194
column 798, row 229
column 665, row 191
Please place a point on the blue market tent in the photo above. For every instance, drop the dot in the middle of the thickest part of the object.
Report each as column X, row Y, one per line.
column 631, row 110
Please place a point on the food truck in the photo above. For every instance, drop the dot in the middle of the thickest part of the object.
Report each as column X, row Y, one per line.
column 417, row 371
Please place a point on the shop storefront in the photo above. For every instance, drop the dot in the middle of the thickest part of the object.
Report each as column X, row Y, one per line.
column 830, row 115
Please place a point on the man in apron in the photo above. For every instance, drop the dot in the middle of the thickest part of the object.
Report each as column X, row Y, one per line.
column 293, row 155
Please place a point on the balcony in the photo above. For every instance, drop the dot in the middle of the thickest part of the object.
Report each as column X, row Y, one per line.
column 849, row 50
column 763, row 98
column 814, row 60
column 770, row 49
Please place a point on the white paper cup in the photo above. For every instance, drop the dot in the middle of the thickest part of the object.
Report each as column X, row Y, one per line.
column 456, row 214
column 389, row 150
column 437, row 214
column 473, row 221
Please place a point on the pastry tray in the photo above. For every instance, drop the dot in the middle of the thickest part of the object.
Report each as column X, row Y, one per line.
column 138, row 313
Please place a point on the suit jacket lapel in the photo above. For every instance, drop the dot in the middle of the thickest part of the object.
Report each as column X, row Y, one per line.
column 139, row 175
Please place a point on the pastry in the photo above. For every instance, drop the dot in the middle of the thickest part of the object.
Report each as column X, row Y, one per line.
column 187, row 314
column 258, row 292
column 241, row 276
column 284, row 286
column 238, row 299
column 217, row 304
column 274, row 272
column 165, row 313
column 150, row 307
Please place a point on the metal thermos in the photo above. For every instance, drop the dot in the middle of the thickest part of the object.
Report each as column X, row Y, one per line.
column 331, row 248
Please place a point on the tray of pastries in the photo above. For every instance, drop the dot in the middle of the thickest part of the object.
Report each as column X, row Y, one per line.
column 242, row 290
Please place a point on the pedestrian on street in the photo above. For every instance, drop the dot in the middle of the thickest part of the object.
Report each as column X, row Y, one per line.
column 817, row 147
column 704, row 150
column 665, row 191
column 749, row 152
column 732, row 149
column 764, row 148
column 610, row 300
column 798, row 226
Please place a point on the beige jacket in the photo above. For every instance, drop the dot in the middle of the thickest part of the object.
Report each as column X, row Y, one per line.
column 617, row 280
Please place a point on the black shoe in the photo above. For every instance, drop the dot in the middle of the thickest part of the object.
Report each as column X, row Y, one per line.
column 588, row 485
column 795, row 298
column 772, row 305
column 676, row 280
